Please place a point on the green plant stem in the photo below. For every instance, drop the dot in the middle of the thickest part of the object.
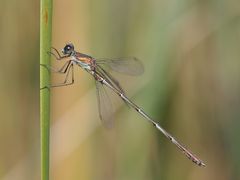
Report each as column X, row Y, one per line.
column 45, row 45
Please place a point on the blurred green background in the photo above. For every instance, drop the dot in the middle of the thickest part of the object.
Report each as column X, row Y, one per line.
column 191, row 86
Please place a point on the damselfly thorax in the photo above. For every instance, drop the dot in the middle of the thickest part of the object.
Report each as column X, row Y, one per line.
column 83, row 60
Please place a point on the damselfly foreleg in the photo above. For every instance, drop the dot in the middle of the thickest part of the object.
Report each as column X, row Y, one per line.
column 58, row 56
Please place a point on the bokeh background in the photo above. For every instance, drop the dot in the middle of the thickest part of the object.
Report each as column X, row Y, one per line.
column 191, row 86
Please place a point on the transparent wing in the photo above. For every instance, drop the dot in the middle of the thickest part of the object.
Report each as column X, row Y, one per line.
column 129, row 65
column 106, row 75
column 105, row 106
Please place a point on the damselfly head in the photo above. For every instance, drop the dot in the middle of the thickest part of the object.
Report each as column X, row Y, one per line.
column 68, row 49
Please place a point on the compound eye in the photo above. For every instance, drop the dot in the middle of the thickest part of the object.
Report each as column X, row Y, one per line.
column 68, row 49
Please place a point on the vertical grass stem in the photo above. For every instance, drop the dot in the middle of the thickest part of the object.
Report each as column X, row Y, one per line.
column 45, row 45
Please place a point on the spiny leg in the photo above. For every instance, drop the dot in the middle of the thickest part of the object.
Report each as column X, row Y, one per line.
column 62, row 70
column 65, row 83
column 58, row 56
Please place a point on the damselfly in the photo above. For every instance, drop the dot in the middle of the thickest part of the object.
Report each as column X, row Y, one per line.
column 95, row 67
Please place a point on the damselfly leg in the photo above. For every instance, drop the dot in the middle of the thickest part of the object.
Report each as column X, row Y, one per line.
column 65, row 69
column 58, row 55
